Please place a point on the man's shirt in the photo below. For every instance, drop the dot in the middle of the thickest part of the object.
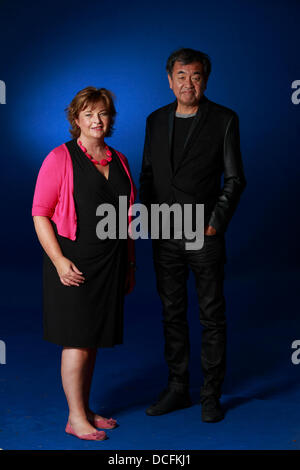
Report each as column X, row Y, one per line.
column 182, row 124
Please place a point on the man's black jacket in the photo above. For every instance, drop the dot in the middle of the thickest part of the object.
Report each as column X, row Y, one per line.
column 212, row 148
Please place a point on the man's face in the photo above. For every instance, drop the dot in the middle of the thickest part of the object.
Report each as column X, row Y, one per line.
column 188, row 83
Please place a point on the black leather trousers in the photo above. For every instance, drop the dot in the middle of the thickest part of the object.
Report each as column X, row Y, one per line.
column 172, row 263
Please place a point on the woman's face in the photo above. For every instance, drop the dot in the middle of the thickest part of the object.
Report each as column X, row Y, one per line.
column 94, row 121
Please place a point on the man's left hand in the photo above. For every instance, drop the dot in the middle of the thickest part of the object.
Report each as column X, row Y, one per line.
column 209, row 230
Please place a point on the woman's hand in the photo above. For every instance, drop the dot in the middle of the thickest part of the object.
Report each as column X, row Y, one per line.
column 69, row 274
column 130, row 279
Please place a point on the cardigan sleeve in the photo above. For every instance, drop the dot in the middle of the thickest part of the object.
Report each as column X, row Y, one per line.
column 131, row 246
column 47, row 188
column 129, row 172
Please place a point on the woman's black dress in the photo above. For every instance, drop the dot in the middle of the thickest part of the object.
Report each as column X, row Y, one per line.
column 89, row 315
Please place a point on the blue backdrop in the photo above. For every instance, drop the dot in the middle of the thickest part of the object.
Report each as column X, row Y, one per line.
column 51, row 50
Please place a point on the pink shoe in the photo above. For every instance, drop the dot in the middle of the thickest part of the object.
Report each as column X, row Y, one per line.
column 104, row 423
column 93, row 436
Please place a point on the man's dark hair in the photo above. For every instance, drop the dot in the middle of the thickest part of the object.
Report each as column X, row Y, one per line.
column 187, row 56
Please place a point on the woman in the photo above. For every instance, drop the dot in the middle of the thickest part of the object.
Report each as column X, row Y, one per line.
column 85, row 278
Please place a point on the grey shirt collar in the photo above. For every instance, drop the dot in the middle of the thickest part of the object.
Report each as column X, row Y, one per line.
column 185, row 115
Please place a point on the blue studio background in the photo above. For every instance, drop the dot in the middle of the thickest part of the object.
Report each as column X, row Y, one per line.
column 51, row 50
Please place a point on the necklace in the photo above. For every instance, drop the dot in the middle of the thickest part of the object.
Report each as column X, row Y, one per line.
column 103, row 162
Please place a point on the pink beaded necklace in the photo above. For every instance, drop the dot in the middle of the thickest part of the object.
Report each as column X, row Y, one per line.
column 103, row 162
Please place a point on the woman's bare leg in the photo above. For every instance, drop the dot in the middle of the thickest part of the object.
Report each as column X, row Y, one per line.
column 88, row 382
column 76, row 372
column 87, row 386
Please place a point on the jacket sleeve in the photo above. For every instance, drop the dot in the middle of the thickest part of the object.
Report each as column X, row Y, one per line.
column 146, row 175
column 234, row 179
column 47, row 188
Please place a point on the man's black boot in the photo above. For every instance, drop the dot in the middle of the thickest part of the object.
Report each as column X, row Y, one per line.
column 169, row 400
column 211, row 410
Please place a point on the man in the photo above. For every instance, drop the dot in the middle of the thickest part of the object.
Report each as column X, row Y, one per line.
column 189, row 144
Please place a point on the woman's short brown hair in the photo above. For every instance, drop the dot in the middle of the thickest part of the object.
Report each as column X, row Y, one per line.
column 89, row 96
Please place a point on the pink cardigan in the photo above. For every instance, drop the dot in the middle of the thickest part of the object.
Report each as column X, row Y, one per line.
column 53, row 195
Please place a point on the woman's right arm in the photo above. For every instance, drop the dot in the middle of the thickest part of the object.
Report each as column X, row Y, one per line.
column 46, row 196
column 68, row 273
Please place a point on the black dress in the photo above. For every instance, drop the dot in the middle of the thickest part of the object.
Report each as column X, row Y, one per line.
column 89, row 315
